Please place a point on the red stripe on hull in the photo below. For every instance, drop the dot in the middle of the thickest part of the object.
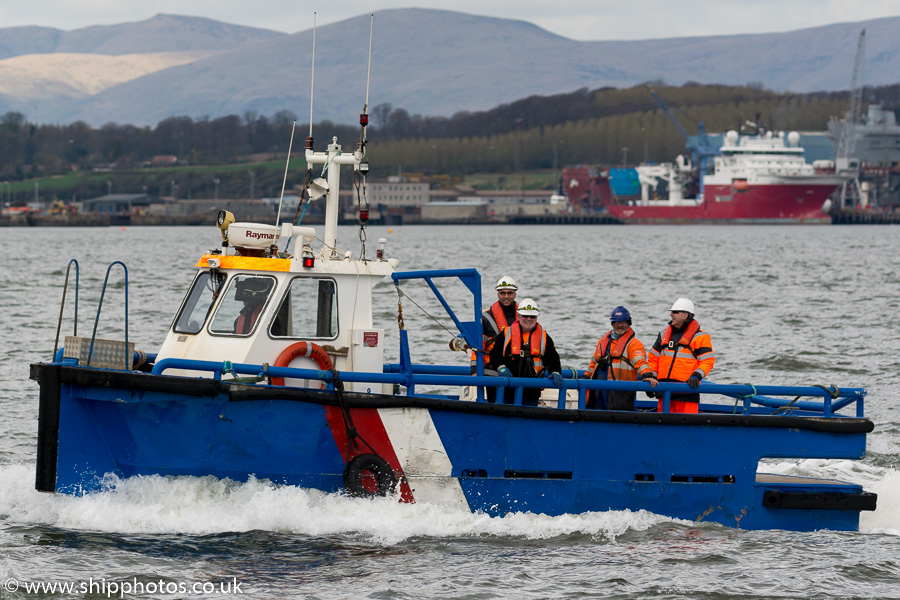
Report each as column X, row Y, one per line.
column 370, row 428
column 758, row 204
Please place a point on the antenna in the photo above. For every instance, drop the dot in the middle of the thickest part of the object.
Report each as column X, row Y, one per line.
column 364, row 117
column 284, row 181
column 369, row 70
column 312, row 80
column 362, row 166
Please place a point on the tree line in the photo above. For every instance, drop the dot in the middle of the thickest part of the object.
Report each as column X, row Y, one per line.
column 229, row 155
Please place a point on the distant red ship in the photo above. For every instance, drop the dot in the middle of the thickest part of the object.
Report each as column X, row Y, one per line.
column 756, row 179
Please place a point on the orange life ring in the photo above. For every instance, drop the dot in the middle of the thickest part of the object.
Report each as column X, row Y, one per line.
column 308, row 349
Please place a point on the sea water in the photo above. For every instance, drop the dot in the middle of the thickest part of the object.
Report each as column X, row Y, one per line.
column 783, row 304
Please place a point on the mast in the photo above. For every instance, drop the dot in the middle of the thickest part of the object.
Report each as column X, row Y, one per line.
column 333, row 159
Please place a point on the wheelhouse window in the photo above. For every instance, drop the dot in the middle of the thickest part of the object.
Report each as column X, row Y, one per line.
column 200, row 298
column 308, row 310
column 242, row 304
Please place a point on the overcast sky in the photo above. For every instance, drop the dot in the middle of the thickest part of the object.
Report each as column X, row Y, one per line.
column 575, row 19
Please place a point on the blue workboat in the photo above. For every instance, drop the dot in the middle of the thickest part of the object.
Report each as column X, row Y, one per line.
column 274, row 368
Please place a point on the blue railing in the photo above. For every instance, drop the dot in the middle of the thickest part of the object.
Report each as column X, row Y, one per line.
column 469, row 331
column 62, row 304
column 100, row 306
column 749, row 399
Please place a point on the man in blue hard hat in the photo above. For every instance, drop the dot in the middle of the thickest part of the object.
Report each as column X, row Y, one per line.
column 619, row 356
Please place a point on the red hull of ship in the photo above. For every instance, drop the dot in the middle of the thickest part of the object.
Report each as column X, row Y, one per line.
column 773, row 203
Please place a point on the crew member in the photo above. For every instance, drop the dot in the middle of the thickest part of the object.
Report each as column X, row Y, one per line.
column 619, row 356
column 502, row 313
column 253, row 293
column 525, row 350
column 683, row 353
column 498, row 317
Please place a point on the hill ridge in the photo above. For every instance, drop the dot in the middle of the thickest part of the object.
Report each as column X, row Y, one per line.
column 431, row 62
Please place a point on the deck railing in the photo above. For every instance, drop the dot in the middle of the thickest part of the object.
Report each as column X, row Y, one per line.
column 62, row 304
column 571, row 394
column 100, row 306
column 747, row 399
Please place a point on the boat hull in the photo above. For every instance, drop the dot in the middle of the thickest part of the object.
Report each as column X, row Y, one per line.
column 482, row 457
column 776, row 203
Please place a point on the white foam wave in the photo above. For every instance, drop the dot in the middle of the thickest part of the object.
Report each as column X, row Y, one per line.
column 207, row 505
column 884, row 482
column 886, row 517
column 887, row 443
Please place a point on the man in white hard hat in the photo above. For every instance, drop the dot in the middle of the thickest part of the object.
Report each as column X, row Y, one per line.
column 682, row 353
column 498, row 317
column 525, row 350
column 502, row 313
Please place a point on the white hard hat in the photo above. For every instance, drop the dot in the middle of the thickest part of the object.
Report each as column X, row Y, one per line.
column 506, row 283
column 684, row 305
column 528, row 307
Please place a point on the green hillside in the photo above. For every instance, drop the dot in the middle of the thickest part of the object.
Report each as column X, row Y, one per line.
column 246, row 155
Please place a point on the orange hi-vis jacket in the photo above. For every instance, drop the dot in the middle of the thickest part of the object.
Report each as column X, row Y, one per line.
column 536, row 340
column 678, row 359
column 496, row 320
column 626, row 357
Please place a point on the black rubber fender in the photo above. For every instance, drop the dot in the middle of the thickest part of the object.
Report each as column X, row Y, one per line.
column 369, row 475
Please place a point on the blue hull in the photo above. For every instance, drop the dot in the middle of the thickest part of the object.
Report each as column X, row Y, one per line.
column 491, row 458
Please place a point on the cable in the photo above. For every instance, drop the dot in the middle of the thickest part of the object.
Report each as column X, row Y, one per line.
column 402, row 293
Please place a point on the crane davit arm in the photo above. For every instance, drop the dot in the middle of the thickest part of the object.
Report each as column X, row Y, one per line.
column 847, row 165
column 669, row 114
column 700, row 150
column 847, row 143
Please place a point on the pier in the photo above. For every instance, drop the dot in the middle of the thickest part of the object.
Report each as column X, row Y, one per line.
column 865, row 217
column 564, row 219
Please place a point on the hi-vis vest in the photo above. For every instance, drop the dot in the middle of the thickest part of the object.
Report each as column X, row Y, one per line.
column 247, row 319
column 513, row 344
column 497, row 319
column 677, row 360
column 627, row 360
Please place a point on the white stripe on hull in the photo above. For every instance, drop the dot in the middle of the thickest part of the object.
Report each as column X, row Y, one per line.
column 422, row 456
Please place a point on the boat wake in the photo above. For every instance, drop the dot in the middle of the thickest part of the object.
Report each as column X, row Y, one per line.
column 883, row 482
column 207, row 505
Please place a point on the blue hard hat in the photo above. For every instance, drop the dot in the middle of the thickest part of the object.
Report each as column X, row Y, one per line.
column 619, row 313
